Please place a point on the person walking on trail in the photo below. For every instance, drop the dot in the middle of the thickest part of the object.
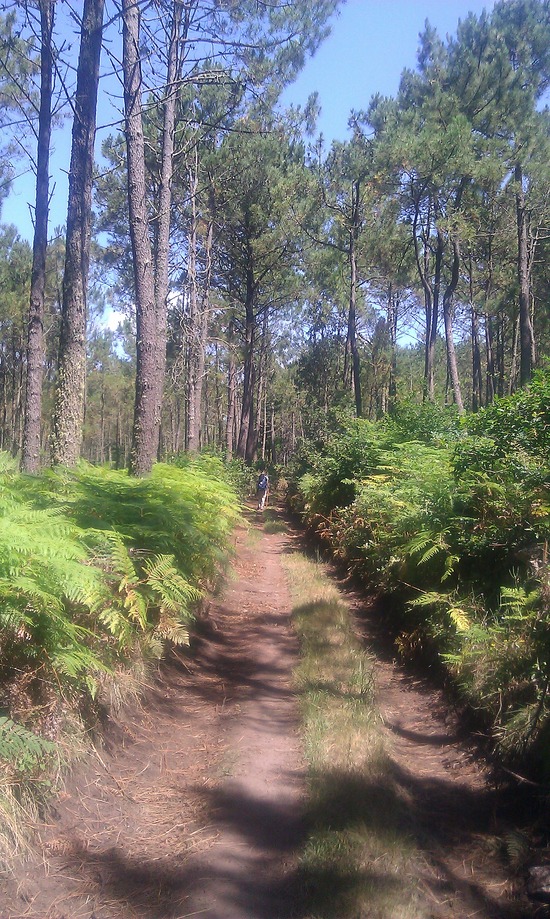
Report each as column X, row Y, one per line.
column 262, row 489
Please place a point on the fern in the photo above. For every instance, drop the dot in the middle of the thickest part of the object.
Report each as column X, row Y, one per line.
column 421, row 542
column 519, row 601
column 174, row 596
column 94, row 563
column 20, row 748
column 460, row 619
column 430, row 545
column 430, row 598
column 174, row 592
column 177, row 633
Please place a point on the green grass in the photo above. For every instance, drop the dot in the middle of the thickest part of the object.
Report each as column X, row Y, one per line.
column 360, row 857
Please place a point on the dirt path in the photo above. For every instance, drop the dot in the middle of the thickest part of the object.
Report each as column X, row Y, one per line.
column 196, row 807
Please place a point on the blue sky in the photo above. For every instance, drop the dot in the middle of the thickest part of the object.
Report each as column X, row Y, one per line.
column 371, row 42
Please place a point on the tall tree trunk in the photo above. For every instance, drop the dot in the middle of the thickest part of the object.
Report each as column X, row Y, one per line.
column 192, row 411
column 351, row 343
column 146, row 407
column 247, row 411
column 490, row 388
column 30, row 456
column 71, row 385
column 151, row 280
column 17, row 393
column 432, row 319
column 198, row 314
column 260, row 420
column 219, row 398
column 477, row 376
column 202, row 333
column 512, row 379
column 391, row 312
column 231, row 387
column 274, row 454
column 431, row 303
column 500, row 355
column 526, row 336
column 163, row 218
column 449, row 336
column 102, row 423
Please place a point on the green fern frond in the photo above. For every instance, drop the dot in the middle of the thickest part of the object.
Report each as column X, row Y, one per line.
column 419, row 543
column 174, row 592
column 117, row 623
column 512, row 595
column 176, row 633
column 12, row 618
column 21, row 748
column 152, row 646
column 136, row 606
column 518, row 600
column 76, row 661
column 110, row 553
column 450, row 562
column 34, row 595
column 429, row 598
column 430, row 553
column 460, row 619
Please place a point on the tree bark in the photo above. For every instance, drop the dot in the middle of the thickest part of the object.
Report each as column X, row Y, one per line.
column 71, row 384
column 231, row 387
column 477, row 378
column 247, row 411
column 526, row 336
column 146, row 407
column 198, row 314
column 192, row 425
column 448, row 320
column 490, row 351
column 351, row 343
column 391, row 313
column 30, row 456
column 512, row 379
column 202, row 330
column 431, row 303
column 150, row 278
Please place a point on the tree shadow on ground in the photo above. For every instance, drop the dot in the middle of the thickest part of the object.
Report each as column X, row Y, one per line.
column 440, row 820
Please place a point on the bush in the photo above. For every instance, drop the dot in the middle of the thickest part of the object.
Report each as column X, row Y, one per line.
column 456, row 530
column 94, row 564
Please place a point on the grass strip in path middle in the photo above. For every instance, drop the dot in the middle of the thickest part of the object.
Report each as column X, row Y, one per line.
column 358, row 860
column 403, row 823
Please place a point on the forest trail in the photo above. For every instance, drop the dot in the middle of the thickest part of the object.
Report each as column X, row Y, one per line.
column 196, row 806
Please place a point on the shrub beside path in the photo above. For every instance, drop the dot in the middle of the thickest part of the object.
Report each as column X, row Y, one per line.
column 196, row 805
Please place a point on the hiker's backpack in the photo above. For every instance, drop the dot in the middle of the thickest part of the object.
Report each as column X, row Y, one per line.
column 262, row 483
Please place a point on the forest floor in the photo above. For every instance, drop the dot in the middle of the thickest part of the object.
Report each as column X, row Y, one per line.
column 195, row 805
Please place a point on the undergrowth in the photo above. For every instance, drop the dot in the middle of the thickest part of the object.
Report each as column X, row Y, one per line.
column 453, row 522
column 98, row 572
